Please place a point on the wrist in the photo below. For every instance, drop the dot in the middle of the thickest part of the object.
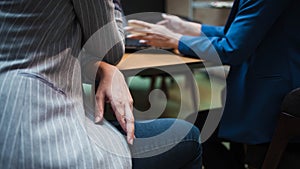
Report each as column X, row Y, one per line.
column 175, row 40
column 193, row 29
column 104, row 68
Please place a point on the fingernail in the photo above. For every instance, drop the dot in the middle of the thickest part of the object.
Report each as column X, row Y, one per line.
column 97, row 119
column 129, row 36
column 130, row 141
column 142, row 41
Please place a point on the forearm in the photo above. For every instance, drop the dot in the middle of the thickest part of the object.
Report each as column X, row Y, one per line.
column 212, row 31
column 102, row 34
column 115, row 54
column 242, row 37
column 191, row 28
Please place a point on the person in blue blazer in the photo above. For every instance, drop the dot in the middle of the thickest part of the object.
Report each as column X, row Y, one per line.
column 260, row 42
column 48, row 49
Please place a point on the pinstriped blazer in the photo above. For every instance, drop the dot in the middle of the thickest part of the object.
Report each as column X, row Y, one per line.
column 43, row 123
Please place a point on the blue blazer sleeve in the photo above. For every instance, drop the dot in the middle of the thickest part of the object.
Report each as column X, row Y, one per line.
column 210, row 30
column 252, row 21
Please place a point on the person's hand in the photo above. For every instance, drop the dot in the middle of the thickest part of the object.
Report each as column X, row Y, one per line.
column 153, row 34
column 113, row 89
column 180, row 26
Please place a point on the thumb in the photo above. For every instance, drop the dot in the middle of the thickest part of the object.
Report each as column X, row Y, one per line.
column 163, row 22
column 99, row 110
column 167, row 17
column 164, row 15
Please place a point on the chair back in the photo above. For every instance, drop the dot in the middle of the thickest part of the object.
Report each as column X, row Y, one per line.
column 288, row 127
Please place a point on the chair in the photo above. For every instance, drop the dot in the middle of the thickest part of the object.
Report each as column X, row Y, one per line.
column 288, row 127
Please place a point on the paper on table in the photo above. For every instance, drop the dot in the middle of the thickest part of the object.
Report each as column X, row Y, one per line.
column 221, row 4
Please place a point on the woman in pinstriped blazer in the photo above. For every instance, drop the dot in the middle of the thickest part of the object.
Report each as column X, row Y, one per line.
column 43, row 122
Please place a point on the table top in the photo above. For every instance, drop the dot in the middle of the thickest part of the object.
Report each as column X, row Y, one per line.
column 132, row 63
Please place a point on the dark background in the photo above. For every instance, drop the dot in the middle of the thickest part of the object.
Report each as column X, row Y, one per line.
column 136, row 6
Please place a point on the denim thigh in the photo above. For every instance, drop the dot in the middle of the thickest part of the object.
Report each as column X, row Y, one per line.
column 166, row 143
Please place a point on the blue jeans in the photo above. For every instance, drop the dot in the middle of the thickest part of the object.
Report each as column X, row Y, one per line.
column 166, row 144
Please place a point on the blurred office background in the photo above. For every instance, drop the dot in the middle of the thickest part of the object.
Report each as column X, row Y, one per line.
column 199, row 10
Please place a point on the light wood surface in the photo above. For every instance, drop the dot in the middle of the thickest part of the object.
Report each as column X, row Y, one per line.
column 134, row 61
column 162, row 63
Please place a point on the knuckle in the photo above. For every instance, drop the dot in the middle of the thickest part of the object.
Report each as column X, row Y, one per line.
column 98, row 97
column 130, row 119
column 122, row 120
column 121, row 103
column 131, row 101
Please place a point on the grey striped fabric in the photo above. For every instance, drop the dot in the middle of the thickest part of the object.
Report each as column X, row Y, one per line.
column 43, row 123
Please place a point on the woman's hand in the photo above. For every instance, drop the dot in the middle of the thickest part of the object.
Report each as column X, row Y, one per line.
column 113, row 89
column 153, row 34
column 180, row 26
